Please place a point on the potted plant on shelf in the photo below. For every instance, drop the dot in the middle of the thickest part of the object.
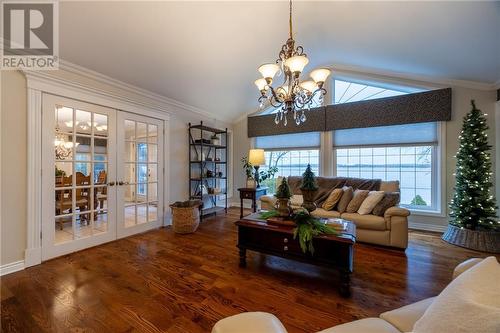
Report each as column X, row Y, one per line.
column 474, row 223
column 308, row 189
column 283, row 195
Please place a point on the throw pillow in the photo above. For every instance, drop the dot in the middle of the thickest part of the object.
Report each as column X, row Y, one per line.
column 470, row 303
column 389, row 200
column 296, row 200
column 332, row 199
column 345, row 199
column 373, row 198
column 357, row 199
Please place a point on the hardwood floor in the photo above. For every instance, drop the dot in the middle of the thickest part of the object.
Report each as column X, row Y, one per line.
column 163, row 282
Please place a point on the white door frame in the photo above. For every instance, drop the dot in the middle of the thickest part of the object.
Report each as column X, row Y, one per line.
column 38, row 83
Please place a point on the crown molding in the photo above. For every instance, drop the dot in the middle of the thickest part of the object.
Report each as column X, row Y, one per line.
column 125, row 91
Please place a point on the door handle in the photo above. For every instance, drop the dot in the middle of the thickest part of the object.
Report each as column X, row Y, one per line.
column 111, row 183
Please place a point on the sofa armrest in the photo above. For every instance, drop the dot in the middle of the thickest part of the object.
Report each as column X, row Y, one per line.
column 396, row 220
column 462, row 267
column 396, row 211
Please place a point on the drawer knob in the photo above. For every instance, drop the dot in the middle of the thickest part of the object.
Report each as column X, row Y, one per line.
column 285, row 240
column 285, row 248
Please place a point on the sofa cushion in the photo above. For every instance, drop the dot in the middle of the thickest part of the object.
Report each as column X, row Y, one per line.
column 371, row 222
column 370, row 202
column 405, row 317
column 389, row 200
column 332, row 199
column 347, row 195
column 249, row 322
column 320, row 212
column 367, row 325
column 470, row 303
column 357, row 199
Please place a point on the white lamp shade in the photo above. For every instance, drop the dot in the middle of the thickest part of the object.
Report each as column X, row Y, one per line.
column 320, row 74
column 309, row 85
column 261, row 84
column 296, row 63
column 268, row 71
column 256, row 157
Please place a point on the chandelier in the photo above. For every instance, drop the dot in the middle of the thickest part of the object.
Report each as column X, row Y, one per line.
column 63, row 147
column 294, row 95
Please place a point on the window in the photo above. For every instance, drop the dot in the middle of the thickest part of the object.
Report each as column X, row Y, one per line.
column 290, row 153
column 406, row 153
column 346, row 92
column 412, row 166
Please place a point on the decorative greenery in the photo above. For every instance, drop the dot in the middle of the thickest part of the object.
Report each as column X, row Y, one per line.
column 269, row 214
column 247, row 167
column 472, row 206
column 308, row 180
column 60, row 173
column 283, row 190
column 263, row 175
column 418, row 201
column 307, row 228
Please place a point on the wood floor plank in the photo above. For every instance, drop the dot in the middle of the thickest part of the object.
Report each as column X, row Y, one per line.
column 160, row 281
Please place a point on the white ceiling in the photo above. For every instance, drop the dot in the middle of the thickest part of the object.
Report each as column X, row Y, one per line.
column 205, row 54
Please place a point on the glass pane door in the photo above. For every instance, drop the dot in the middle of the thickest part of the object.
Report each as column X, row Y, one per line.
column 78, row 160
column 139, row 173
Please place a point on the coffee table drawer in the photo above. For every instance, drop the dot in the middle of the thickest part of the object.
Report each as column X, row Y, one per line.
column 253, row 238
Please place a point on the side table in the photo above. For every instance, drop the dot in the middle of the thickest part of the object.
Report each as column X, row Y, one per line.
column 252, row 194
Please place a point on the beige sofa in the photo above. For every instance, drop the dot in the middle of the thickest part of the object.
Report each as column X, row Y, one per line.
column 395, row 321
column 389, row 230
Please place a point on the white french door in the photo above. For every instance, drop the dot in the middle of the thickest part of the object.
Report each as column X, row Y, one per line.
column 102, row 175
column 140, row 173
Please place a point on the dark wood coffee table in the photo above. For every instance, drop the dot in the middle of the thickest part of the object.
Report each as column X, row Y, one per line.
column 334, row 251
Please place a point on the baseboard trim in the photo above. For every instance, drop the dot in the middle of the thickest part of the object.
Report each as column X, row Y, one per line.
column 12, row 267
column 245, row 205
column 426, row 227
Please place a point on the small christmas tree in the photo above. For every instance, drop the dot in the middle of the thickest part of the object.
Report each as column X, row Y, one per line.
column 308, row 180
column 472, row 206
column 283, row 191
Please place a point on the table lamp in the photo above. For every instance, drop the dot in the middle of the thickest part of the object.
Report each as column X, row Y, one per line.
column 256, row 158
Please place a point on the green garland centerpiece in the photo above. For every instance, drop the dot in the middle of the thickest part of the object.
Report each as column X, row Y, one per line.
column 474, row 223
column 307, row 227
column 283, row 195
column 309, row 187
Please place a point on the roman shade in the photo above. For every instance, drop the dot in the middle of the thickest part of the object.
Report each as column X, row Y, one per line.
column 289, row 141
column 414, row 134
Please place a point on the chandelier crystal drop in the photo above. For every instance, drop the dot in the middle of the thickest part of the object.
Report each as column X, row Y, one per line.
column 293, row 95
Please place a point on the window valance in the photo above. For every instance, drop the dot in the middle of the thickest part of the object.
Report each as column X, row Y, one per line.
column 428, row 106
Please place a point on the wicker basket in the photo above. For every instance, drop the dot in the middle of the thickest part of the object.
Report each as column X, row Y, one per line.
column 185, row 216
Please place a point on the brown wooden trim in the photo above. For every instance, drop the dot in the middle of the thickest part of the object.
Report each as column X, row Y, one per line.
column 421, row 107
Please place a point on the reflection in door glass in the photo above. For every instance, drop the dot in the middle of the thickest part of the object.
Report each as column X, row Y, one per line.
column 80, row 174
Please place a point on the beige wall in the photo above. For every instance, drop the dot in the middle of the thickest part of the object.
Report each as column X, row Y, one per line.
column 14, row 166
column 14, row 156
column 485, row 100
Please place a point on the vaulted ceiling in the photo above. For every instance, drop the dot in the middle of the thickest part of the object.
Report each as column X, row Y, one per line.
column 205, row 54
